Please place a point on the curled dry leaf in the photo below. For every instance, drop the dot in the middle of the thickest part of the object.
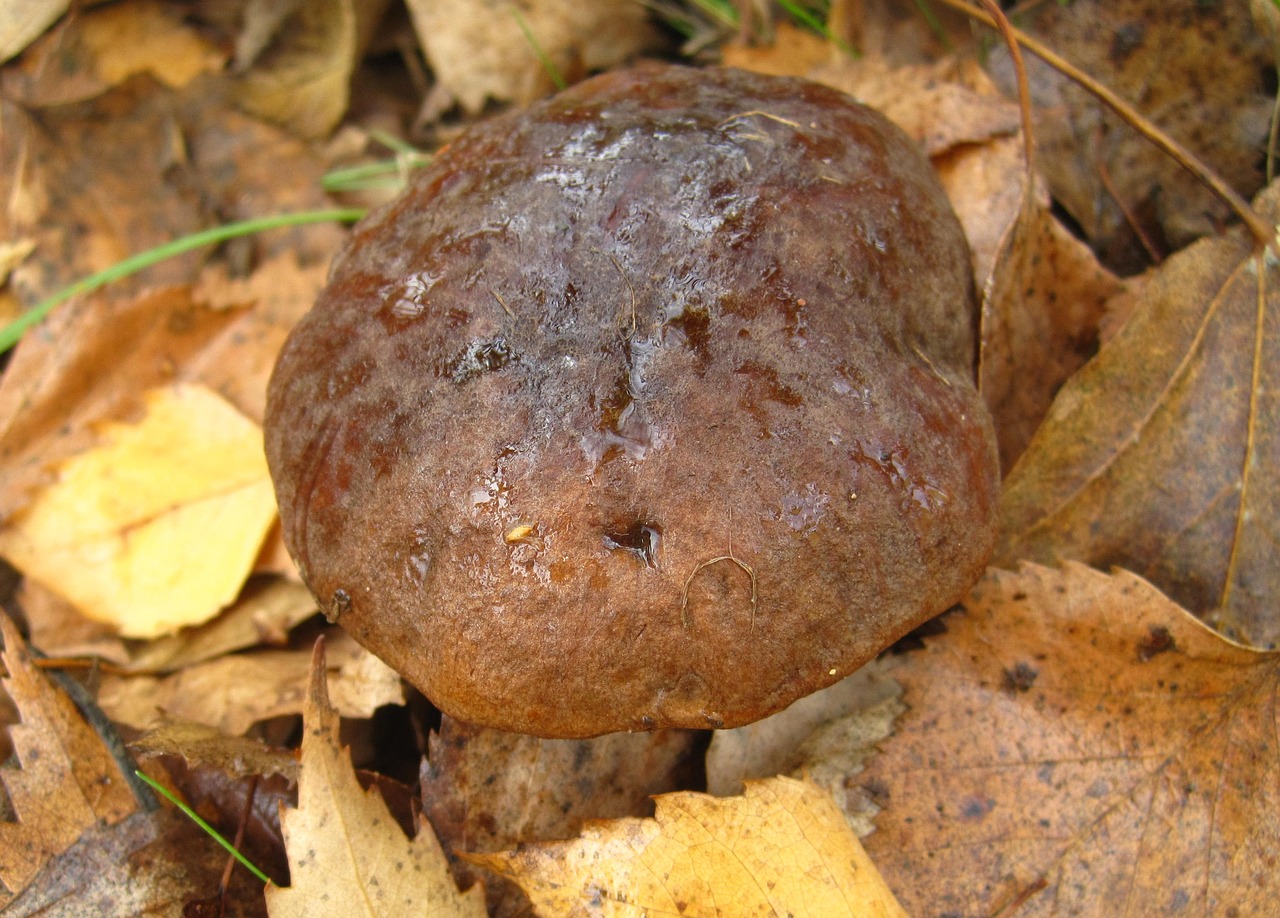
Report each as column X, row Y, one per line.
column 159, row 525
column 64, row 781
column 1162, row 455
column 198, row 744
column 305, row 83
column 347, row 855
column 781, row 849
column 1078, row 744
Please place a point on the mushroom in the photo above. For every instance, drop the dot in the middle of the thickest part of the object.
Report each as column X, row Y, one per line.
column 650, row 405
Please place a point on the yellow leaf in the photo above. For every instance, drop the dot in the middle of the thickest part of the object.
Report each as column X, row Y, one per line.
column 347, row 855
column 158, row 526
column 781, row 849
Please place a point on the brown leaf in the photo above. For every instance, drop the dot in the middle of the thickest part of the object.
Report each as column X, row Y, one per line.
column 942, row 106
column 1078, row 744
column 236, row 691
column 65, row 780
column 1196, row 71
column 347, row 856
column 151, row 864
column 485, row 790
column 101, row 47
column 782, row 849
column 199, row 744
column 305, row 84
column 478, row 50
column 1161, row 455
column 1043, row 292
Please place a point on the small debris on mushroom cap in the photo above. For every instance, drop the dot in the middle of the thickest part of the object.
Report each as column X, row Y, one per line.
column 650, row 405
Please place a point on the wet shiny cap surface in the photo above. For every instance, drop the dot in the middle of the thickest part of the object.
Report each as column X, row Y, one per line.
column 650, row 405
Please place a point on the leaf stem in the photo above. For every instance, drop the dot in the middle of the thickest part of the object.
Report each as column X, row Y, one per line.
column 13, row 332
column 194, row 817
column 1262, row 231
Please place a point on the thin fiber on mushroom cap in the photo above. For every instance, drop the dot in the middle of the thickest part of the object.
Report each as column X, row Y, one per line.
column 650, row 405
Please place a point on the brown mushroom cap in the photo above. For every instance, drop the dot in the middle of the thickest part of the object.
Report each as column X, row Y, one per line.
column 650, row 405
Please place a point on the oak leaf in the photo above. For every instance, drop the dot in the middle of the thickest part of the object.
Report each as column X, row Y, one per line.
column 1078, row 744
column 781, row 849
column 159, row 525
column 347, row 855
column 1162, row 455
column 65, row 781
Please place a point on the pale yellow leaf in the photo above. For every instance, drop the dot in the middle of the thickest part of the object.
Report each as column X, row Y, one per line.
column 347, row 855
column 781, row 849
column 158, row 526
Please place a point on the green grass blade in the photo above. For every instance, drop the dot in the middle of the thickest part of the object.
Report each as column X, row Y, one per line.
column 191, row 814
column 547, row 63
column 13, row 332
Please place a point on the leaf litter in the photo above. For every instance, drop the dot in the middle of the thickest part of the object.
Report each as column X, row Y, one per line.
column 219, row 324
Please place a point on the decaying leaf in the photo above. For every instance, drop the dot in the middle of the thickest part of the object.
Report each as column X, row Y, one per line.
column 65, row 780
column 157, row 527
column 151, row 865
column 771, row 746
column 487, row 790
column 781, row 849
column 1195, row 69
column 347, row 856
column 198, row 744
column 1162, row 455
column 235, row 691
column 1077, row 744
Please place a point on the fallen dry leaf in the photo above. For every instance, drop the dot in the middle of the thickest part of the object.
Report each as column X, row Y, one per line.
column 305, row 83
column 198, row 744
column 64, row 782
column 942, row 106
column 101, row 47
column 782, row 849
column 347, row 855
column 1162, row 455
column 770, row 747
column 22, row 23
column 1078, row 744
column 485, row 790
column 88, row 364
column 1195, row 69
column 158, row 526
column 155, row 864
column 236, row 691
column 478, row 50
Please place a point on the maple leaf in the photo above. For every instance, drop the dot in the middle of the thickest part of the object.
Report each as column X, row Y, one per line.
column 67, row 780
column 158, row 526
column 781, row 849
column 1078, row 744
column 347, row 855
column 1162, row 455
